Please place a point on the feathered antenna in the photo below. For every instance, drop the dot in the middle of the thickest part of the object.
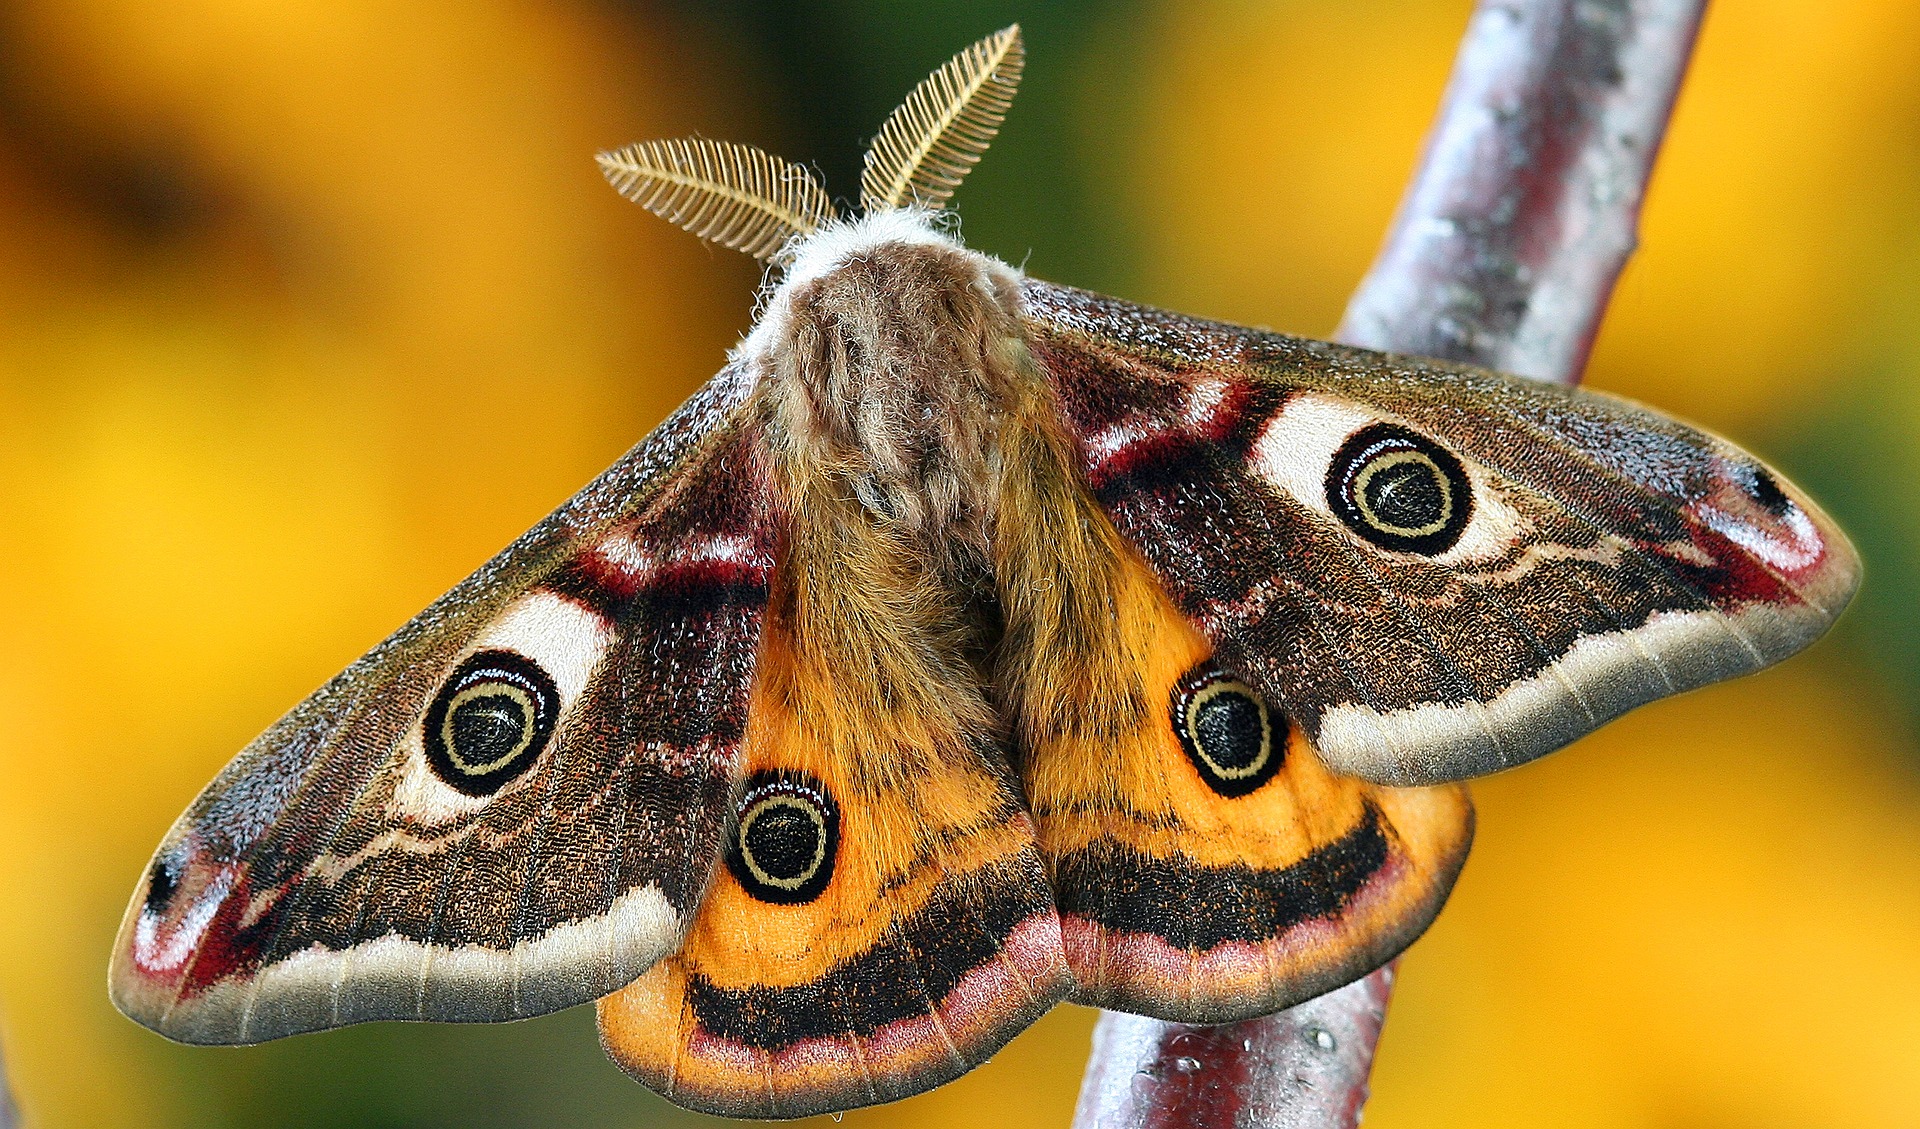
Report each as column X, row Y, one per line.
column 733, row 195
column 933, row 140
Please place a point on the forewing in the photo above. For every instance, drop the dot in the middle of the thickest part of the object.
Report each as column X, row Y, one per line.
column 508, row 807
column 1435, row 570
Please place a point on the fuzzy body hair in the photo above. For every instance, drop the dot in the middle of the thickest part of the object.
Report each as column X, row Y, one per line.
column 948, row 582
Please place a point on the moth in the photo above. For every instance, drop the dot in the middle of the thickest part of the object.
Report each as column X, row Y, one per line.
column 966, row 645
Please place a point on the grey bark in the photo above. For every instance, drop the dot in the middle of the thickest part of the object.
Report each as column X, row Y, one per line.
column 9, row 1113
column 1527, row 203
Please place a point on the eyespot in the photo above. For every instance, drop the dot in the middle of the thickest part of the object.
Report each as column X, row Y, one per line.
column 1399, row 490
column 1233, row 740
column 1765, row 490
column 489, row 721
column 162, row 885
column 785, row 838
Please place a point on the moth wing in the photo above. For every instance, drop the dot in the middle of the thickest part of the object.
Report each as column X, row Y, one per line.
column 506, row 808
column 1435, row 570
column 1207, row 866
column 912, row 945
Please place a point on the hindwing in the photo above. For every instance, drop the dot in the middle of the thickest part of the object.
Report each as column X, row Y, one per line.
column 884, row 921
column 1207, row 866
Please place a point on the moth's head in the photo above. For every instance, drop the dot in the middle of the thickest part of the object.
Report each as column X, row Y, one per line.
column 775, row 210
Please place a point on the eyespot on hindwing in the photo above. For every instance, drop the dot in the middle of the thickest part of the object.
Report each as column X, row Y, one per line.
column 786, row 835
column 1234, row 741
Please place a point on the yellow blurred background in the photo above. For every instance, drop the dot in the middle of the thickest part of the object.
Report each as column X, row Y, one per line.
column 306, row 308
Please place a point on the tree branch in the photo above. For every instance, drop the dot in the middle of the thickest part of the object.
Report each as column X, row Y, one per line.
column 1504, row 254
column 9, row 1113
column 1306, row 1066
column 1527, row 203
